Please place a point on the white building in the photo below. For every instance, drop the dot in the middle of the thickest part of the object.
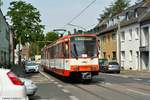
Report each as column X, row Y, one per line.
column 134, row 38
column 130, row 43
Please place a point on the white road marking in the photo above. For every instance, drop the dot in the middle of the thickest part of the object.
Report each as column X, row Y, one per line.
column 36, row 82
column 45, row 75
column 102, row 82
column 73, row 98
column 138, row 92
column 56, row 82
column 59, row 85
column 137, row 79
column 124, row 76
column 148, row 81
column 52, row 80
column 64, row 90
column 35, row 76
column 108, row 83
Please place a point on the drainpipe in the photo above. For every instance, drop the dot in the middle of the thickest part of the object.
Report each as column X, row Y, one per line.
column 140, row 67
column 118, row 44
column 149, row 48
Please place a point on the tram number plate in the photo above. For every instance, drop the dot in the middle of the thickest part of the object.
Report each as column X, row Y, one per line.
column 86, row 75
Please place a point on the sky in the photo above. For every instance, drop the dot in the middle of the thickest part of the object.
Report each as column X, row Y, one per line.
column 55, row 14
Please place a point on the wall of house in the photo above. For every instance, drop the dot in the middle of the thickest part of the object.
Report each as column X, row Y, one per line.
column 130, row 55
column 4, row 40
column 108, row 45
column 145, row 42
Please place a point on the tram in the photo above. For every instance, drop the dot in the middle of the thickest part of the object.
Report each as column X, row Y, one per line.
column 73, row 56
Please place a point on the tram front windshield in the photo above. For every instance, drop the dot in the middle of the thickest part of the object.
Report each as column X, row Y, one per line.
column 83, row 47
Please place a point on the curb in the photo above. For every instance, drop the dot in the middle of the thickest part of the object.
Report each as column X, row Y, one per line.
column 45, row 75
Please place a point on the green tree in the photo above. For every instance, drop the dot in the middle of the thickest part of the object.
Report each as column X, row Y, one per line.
column 26, row 23
column 119, row 6
column 1, row 3
column 50, row 37
column 32, row 49
column 114, row 8
column 36, row 47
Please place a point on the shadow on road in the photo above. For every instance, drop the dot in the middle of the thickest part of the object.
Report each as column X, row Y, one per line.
column 74, row 80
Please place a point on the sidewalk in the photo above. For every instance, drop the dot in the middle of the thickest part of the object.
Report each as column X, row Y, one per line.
column 135, row 73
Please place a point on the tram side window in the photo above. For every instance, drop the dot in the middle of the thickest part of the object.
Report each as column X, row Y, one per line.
column 66, row 50
column 49, row 54
column 60, row 53
column 52, row 52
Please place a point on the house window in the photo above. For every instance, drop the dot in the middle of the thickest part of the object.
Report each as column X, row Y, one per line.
column 104, row 39
column 108, row 38
column 146, row 36
column 130, row 34
column 114, row 55
column 122, row 36
column 127, row 16
column 137, row 33
column 122, row 55
column 130, row 56
column 136, row 14
column 104, row 53
column 113, row 36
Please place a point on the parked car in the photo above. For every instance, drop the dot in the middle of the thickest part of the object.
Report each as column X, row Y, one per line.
column 31, row 67
column 113, row 67
column 11, row 87
column 103, row 63
column 31, row 88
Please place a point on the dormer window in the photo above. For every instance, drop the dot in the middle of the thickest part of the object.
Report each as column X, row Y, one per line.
column 135, row 13
column 127, row 17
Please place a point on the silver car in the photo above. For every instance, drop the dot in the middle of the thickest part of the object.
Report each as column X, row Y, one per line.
column 113, row 66
column 31, row 67
column 31, row 88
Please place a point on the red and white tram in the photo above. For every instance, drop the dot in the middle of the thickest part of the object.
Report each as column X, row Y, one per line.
column 72, row 56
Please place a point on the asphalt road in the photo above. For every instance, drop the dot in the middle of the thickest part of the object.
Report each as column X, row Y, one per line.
column 103, row 87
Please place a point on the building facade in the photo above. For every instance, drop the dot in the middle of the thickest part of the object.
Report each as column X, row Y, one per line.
column 4, row 40
column 108, row 45
column 134, row 36
column 130, row 42
column 145, row 41
column 131, row 45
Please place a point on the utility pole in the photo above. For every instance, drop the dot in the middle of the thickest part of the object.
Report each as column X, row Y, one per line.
column 19, row 52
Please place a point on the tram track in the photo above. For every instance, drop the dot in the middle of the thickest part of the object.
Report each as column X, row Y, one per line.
column 117, row 91
column 146, row 90
column 124, row 93
column 89, row 92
